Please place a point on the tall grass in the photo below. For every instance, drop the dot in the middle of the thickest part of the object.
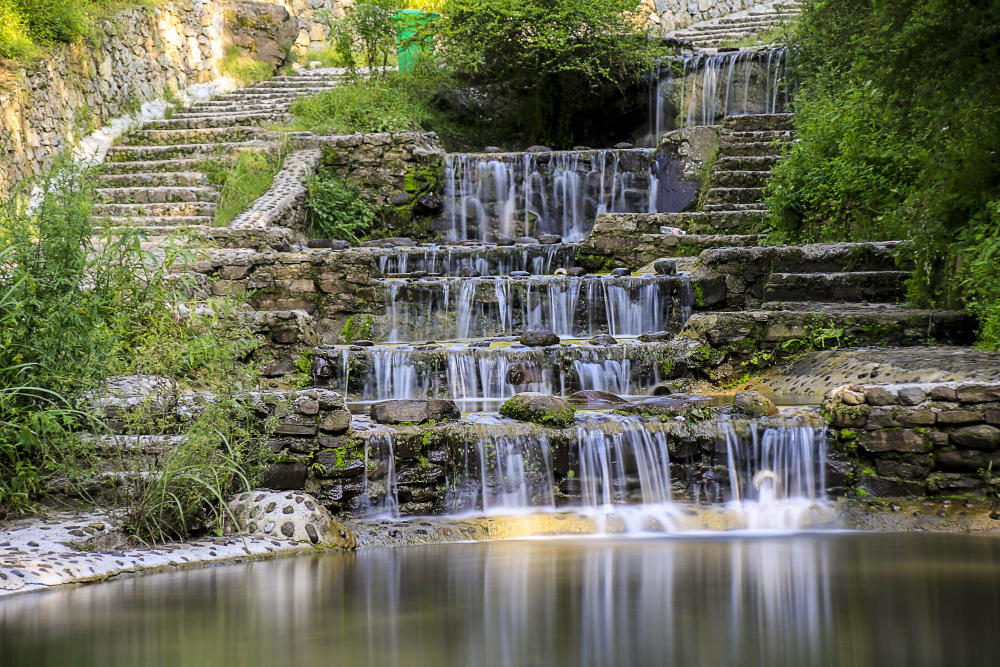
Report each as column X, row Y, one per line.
column 242, row 180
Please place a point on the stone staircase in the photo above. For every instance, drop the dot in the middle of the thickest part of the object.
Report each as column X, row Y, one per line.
column 154, row 179
column 731, row 211
column 739, row 26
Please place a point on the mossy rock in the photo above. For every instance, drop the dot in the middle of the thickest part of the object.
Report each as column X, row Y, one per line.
column 543, row 409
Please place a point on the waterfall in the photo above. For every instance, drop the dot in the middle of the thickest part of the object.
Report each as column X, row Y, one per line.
column 609, row 460
column 464, row 308
column 530, row 194
column 458, row 261
column 712, row 86
column 380, row 498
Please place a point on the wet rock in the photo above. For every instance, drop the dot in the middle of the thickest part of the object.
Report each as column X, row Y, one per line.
column 981, row 436
column 278, row 369
column 493, row 149
column 526, row 240
column 549, row 239
column 593, row 399
column 519, row 274
column 331, row 244
column 297, row 517
column 623, row 145
column 399, row 199
column 665, row 267
column 754, row 404
column 414, row 411
column 539, row 338
column 539, row 149
column 678, row 405
column 621, row 272
column 576, row 271
column 603, row 339
column 505, row 241
column 540, row 409
column 364, row 343
column 523, row 372
column 428, row 204
column 656, row 336
column 286, row 476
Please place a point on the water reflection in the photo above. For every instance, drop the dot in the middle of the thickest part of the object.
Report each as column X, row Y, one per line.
column 806, row 600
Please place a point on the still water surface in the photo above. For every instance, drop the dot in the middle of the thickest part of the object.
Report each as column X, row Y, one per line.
column 799, row 601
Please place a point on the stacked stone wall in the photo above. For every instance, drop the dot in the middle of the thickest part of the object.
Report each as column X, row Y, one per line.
column 919, row 438
column 48, row 105
column 666, row 16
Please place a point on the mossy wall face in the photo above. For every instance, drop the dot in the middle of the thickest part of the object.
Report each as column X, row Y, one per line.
column 399, row 174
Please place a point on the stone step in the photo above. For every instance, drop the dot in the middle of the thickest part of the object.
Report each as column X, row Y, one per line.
column 152, row 166
column 739, row 179
column 216, row 120
column 708, row 222
column 855, row 286
column 154, row 179
column 278, row 91
column 150, row 153
column 144, row 211
column 762, row 163
column 178, row 137
column 156, row 195
column 742, row 334
column 734, row 208
column 725, row 29
column 160, row 226
column 298, row 84
column 749, row 148
column 734, row 196
column 754, row 122
column 223, row 104
column 752, row 136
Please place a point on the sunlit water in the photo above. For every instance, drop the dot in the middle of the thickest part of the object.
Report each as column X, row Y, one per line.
column 846, row 599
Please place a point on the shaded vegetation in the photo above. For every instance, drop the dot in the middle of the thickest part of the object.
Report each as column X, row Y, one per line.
column 337, row 211
column 898, row 137
column 242, row 180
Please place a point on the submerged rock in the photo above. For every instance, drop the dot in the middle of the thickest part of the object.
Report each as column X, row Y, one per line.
column 540, row 409
column 754, row 404
column 414, row 411
column 539, row 338
column 590, row 398
column 289, row 517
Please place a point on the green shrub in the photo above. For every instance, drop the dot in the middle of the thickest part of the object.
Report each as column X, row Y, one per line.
column 337, row 210
column 54, row 21
column 15, row 41
column 899, row 137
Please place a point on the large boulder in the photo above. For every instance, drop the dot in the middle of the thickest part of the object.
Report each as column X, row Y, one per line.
column 402, row 411
column 262, row 30
column 677, row 405
column 539, row 408
column 288, row 517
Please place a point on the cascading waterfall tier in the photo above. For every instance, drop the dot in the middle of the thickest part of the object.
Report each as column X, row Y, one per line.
column 478, row 260
column 467, row 373
column 459, row 309
column 628, row 471
column 561, row 193
column 701, row 89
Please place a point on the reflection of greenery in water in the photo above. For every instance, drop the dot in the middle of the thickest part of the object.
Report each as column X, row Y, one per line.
column 802, row 601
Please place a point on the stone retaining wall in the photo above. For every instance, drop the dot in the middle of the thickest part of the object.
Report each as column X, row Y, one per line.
column 52, row 103
column 665, row 16
column 919, row 438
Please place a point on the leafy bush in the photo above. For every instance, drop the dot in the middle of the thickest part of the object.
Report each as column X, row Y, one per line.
column 337, row 210
column 15, row 41
column 899, row 137
column 28, row 24
column 552, row 57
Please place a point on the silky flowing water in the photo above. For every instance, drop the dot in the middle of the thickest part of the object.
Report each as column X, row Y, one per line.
column 847, row 599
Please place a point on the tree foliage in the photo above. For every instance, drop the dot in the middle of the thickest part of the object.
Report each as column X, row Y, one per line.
column 898, row 137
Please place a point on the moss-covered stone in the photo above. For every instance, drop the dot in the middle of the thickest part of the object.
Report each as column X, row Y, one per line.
column 540, row 409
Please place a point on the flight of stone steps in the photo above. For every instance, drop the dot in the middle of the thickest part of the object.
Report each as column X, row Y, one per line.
column 739, row 26
column 154, row 179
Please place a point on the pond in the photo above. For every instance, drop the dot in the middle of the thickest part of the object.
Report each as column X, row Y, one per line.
column 809, row 599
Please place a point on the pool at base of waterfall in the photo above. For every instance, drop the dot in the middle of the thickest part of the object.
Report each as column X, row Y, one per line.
column 800, row 600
